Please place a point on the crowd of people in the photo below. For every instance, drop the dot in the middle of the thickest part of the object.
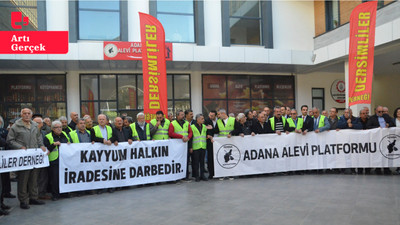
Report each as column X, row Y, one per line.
column 36, row 131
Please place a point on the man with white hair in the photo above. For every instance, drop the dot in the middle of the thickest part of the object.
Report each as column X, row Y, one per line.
column 226, row 126
column 25, row 134
column 142, row 131
column 64, row 122
column 102, row 133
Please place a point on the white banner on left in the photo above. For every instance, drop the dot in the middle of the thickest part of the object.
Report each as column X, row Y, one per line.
column 89, row 166
column 14, row 160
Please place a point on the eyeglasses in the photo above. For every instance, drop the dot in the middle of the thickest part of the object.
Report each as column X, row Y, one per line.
column 380, row 111
column 56, row 127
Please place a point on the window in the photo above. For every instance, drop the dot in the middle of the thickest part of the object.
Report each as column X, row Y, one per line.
column 123, row 93
column 332, row 14
column 177, row 18
column 236, row 93
column 381, row 3
column 27, row 8
column 245, row 22
column 318, row 98
column 44, row 94
column 99, row 20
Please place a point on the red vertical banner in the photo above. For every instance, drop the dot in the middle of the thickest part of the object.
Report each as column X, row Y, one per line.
column 154, row 66
column 361, row 53
column 91, row 104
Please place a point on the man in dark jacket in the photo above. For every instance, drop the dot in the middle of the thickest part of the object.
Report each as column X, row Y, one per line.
column 259, row 127
column 308, row 124
column 211, row 123
column 278, row 124
column 123, row 134
column 379, row 119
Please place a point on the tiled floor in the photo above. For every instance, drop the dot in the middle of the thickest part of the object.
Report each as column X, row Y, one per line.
column 300, row 199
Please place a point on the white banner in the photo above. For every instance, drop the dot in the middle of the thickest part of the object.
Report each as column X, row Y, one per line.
column 89, row 166
column 270, row 153
column 14, row 160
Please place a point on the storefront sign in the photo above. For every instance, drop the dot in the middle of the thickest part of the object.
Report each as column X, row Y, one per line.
column 155, row 96
column 361, row 52
column 117, row 50
column 270, row 153
column 89, row 166
column 338, row 91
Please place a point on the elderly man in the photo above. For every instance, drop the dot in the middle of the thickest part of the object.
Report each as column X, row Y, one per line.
column 198, row 146
column 321, row 123
column 43, row 176
column 102, row 133
column 259, row 127
column 53, row 141
column 162, row 125
column 210, row 123
column 180, row 129
column 25, row 134
column 81, row 134
column 267, row 111
column 46, row 125
column 347, row 121
column 128, row 121
column 88, row 122
column 74, row 120
column 278, row 124
column 379, row 119
column 295, row 122
column 123, row 134
column 226, row 126
column 64, row 122
column 333, row 119
column 142, row 131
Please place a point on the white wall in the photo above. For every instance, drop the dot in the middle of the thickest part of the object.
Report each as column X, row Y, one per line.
column 293, row 25
column 386, row 92
column 305, row 82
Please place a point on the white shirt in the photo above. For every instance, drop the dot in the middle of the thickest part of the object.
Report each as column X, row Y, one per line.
column 104, row 132
column 397, row 123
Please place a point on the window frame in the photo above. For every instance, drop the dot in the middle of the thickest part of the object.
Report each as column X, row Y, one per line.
column 329, row 15
column 318, row 98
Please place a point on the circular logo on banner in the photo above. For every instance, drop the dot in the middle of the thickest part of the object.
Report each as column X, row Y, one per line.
column 390, row 146
column 228, row 156
column 338, row 91
column 110, row 50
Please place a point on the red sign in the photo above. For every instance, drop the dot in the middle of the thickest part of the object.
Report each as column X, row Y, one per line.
column 117, row 50
column 154, row 66
column 33, row 42
column 361, row 53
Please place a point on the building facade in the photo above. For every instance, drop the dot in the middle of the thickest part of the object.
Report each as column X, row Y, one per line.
column 235, row 55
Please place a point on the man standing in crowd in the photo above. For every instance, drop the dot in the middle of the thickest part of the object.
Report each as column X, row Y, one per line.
column 80, row 135
column 383, row 121
column 261, row 126
column 288, row 112
column 52, row 142
column 308, row 124
column 5, row 177
column 3, row 134
column 362, row 120
column 295, row 122
column 64, row 123
column 43, row 175
column 128, row 121
column 123, row 134
column 88, row 122
column 321, row 123
column 161, row 125
column 170, row 116
column 46, row 125
column 74, row 120
column 267, row 111
column 180, row 129
column 333, row 118
column 198, row 147
column 211, row 123
column 25, row 134
column 347, row 120
column 102, row 133
column 142, row 131
column 244, row 129
column 385, row 110
column 189, row 116
column 277, row 124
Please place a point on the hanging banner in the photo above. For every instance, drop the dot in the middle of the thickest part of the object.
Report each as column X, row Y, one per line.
column 121, row 50
column 15, row 160
column 361, row 53
column 155, row 96
column 270, row 153
column 87, row 166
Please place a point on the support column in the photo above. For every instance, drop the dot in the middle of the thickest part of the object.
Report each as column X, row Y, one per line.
column 195, row 82
column 73, row 101
column 212, row 23
column 134, row 7
column 355, row 108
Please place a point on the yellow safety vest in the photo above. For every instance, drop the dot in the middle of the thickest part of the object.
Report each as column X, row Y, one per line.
column 162, row 132
column 98, row 134
column 184, row 131
column 299, row 123
column 135, row 134
column 199, row 140
column 54, row 154
column 272, row 121
column 225, row 130
column 74, row 136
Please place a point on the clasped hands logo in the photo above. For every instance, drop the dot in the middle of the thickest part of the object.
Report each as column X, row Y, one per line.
column 17, row 19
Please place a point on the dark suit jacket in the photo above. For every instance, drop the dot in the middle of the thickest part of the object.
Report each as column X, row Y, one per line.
column 257, row 129
column 373, row 121
column 207, row 122
column 308, row 124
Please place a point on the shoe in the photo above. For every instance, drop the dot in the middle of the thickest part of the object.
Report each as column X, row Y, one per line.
column 44, row 197
column 221, row 178
column 4, row 212
column 204, row 178
column 36, row 202
column 9, row 195
column 231, row 178
column 197, row 179
column 187, row 180
column 5, row 207
column 111, row 190
column 23, row 205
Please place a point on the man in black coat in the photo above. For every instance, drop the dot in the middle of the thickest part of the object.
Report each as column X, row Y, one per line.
column 259, row 127
column 308, row 124
column 210, row 122
column 380, row 119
